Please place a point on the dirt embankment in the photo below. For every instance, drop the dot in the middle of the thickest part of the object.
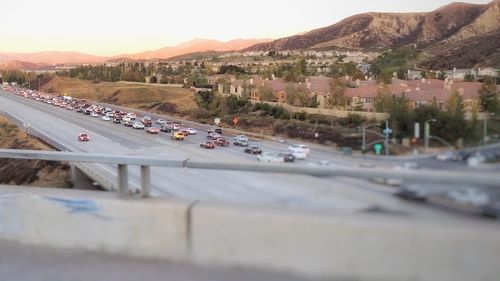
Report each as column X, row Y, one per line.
column 29, row 172
column 155, row 98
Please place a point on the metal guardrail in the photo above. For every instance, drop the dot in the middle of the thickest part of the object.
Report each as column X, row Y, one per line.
column 145, row 162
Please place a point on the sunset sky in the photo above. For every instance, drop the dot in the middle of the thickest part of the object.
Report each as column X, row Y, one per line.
column 116, row 27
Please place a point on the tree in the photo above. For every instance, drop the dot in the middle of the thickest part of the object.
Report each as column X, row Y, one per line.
column 441, row 75
column 266, row 93
column 488, row 95
column 296, row 95
column 400, row 115
column 468, row 77
column 453, row 124
column 383, row 99
column 337, row 98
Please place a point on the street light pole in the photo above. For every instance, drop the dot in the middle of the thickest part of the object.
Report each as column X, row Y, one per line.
column 363, row 145
column 386, row 141
column 427, row 133
column 485, row 128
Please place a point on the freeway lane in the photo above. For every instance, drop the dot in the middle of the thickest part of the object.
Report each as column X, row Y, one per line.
column 296, row 191
column 218, row 186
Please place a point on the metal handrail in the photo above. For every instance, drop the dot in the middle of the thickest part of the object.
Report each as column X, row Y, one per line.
column 475, row 178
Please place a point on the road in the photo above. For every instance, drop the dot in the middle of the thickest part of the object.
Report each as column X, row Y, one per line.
column 277, row 190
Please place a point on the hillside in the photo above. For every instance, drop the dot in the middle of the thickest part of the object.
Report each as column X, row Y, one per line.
column 194, row 46
column 155, row 97
column 29, row 172
column 445, row 27
column 21, row 65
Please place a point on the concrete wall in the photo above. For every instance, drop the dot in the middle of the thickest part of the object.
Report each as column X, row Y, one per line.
column 94, row 220
column 362, row 246
column 329, row 112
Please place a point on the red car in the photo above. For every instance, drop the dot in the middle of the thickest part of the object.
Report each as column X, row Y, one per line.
column 83, row 137
column 152, row 130
column 207, row 145
column 221, row 142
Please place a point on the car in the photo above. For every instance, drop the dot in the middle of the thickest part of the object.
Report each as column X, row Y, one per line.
column 213, row 136
column 116, row 120
column 270, row 157
column 207, row 145
column 445, row 156
column 253, row 150
column 138, row 125
column 106, row 118
column 177, row 136
column 83, row 137
column 128, row 123
column 412, row 193
column 94, row 114
column 215, row 130
column 287, row 156
column 131, row 115
column 240, row 140
column 221, row 142
column 191, row 131
column 152, row 130
column 476, row 159
column 490, row 210
column 165, row 128
column 146, row 121
column 469, row 196
column 176, row 126
column 69, row 107
column 126, row 119
column 299, row 148
column 184, row 131
column 159, row 121
column 297, row 154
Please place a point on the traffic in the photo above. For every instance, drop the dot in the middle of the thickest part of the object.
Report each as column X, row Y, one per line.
column 168, row 129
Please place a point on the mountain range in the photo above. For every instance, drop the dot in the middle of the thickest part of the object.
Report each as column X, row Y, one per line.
column 457, row 35
column 34, row 61
column 446, row 33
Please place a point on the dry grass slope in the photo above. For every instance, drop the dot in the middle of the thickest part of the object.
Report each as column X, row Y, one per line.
column 137, row 95
column 28, row 172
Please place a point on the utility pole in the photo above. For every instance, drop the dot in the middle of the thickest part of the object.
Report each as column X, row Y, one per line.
column 427, row 133
column 386, row 141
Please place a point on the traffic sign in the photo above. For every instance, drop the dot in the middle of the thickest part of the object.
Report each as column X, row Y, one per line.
column 217, row 121
column 235, row 120
column 387, row 131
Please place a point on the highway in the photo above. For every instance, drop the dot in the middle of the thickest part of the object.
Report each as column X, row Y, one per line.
column 342, row 195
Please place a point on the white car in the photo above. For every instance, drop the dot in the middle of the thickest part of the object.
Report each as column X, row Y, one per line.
column 110, row 114
column 106, row 118
column 94, row 114
column 301, row 155
column 126, row 119
column 138, row 126
column 270, row 157
column 241, row 138
column 445, row 156
column 470, row 196
column 159, row 121
column 476, row 159
column 191, row 131
column 299, row 148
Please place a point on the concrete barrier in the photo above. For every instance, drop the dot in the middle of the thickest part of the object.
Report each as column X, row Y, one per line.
column 354, row 247
column 361, row 246
column 94, row 220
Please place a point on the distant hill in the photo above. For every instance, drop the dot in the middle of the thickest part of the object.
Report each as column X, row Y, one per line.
column 194, row 46
column 447, row 27
column 21, row 65
column 51, row 57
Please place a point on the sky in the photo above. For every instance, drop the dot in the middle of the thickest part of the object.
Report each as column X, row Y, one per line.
column 112, row 27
